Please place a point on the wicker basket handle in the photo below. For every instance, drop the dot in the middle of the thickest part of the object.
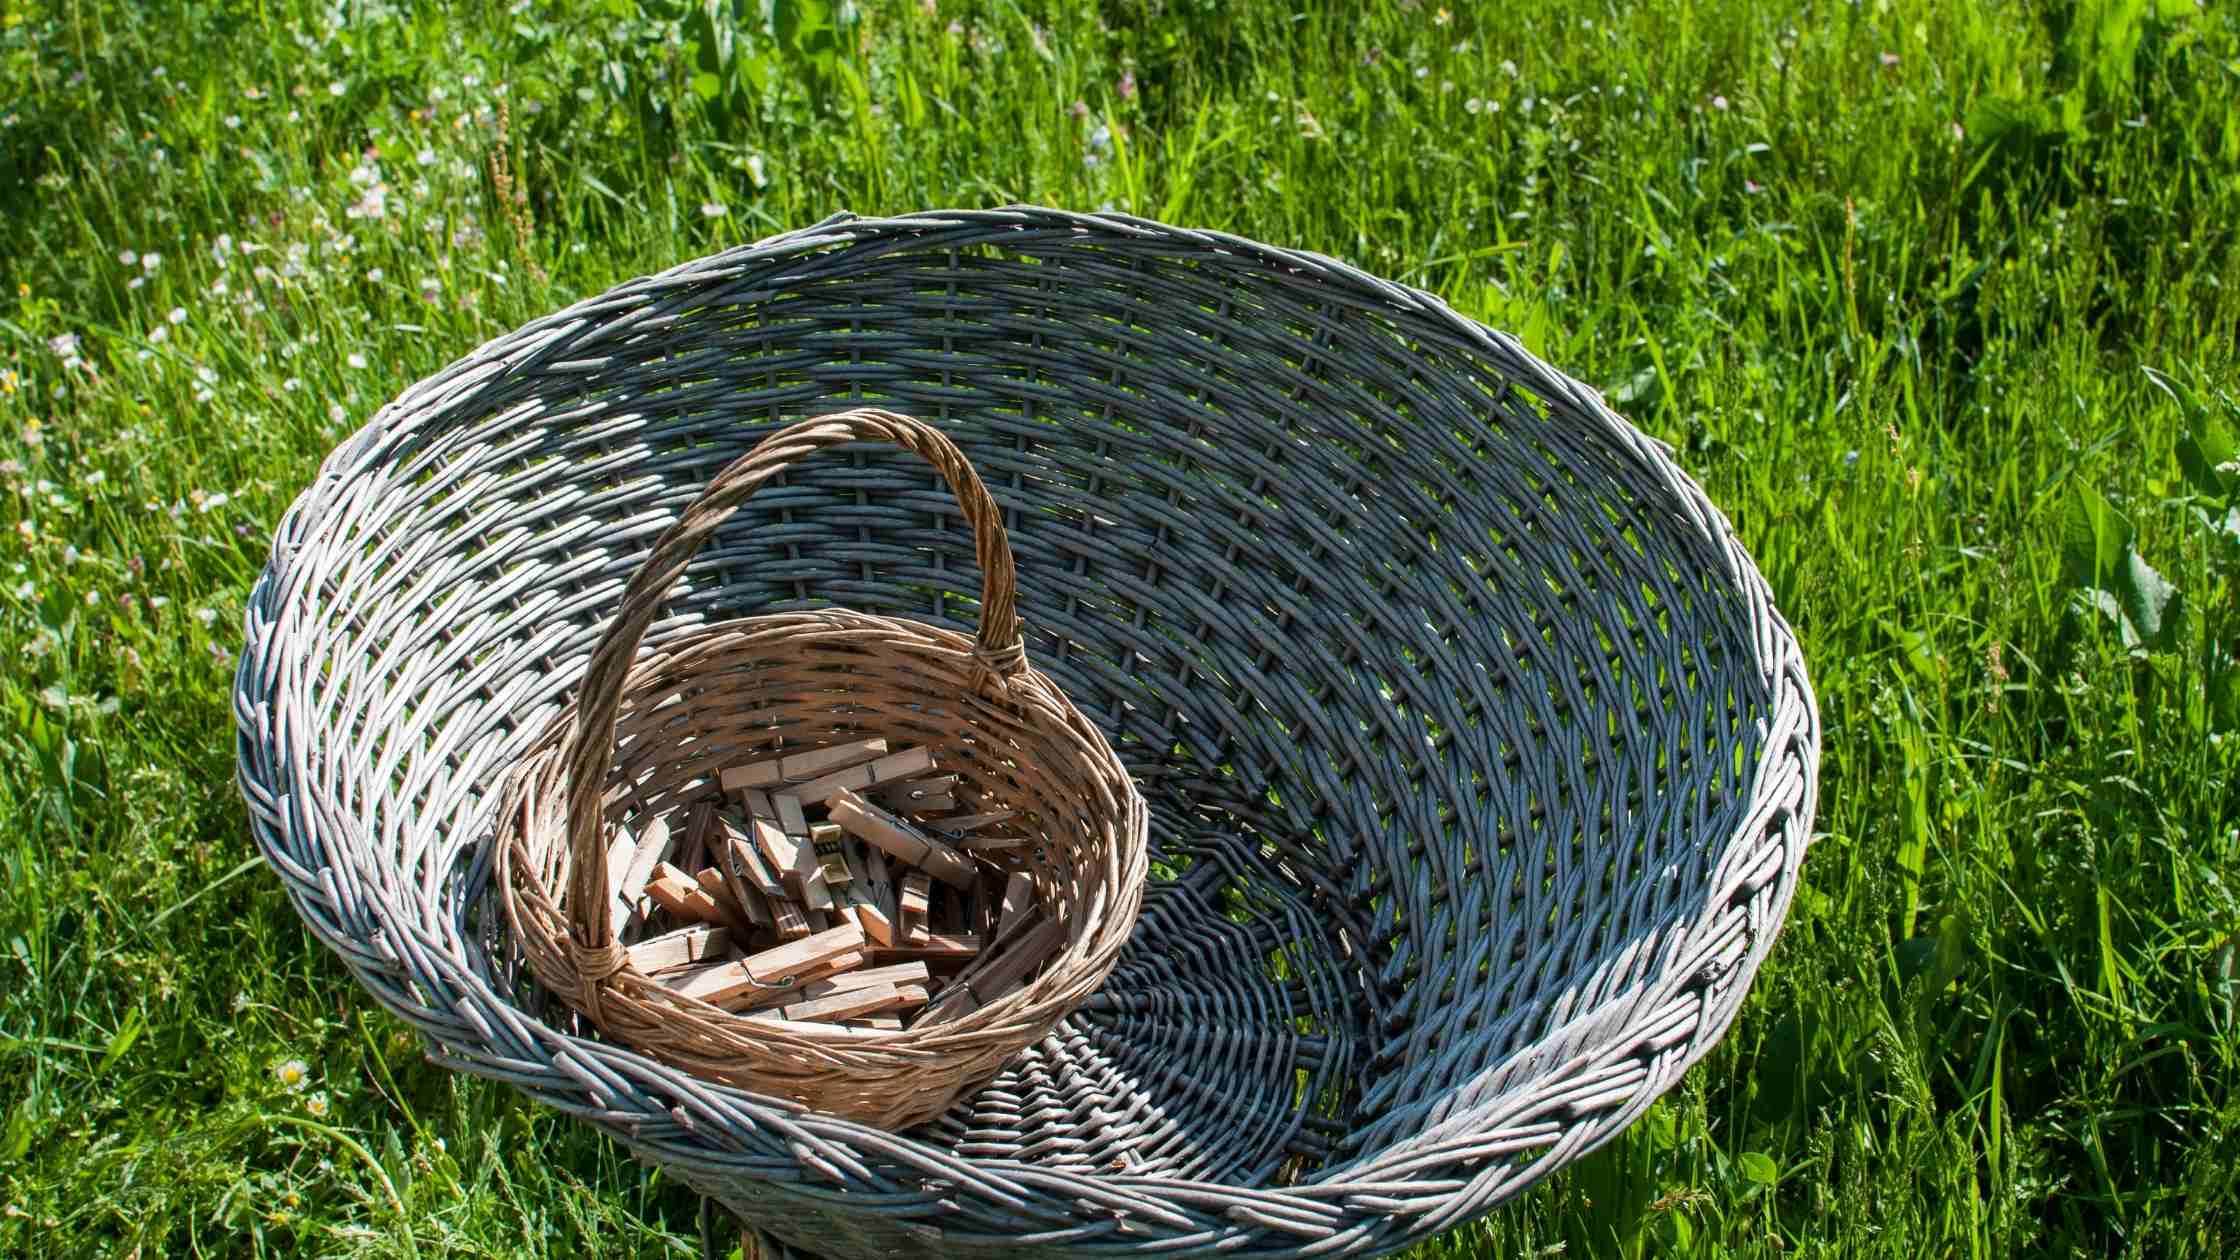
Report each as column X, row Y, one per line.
column 1000, row 653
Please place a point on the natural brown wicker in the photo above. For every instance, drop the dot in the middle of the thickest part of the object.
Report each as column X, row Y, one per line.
column 648, row 737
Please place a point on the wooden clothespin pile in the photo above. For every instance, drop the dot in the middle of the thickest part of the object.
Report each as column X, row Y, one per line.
column 850, row 886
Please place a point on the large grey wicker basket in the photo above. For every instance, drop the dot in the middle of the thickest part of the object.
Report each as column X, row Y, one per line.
column 1480, row 765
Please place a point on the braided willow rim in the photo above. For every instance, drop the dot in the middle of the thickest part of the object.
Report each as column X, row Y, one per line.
column 1479, row 765
column 711, row 699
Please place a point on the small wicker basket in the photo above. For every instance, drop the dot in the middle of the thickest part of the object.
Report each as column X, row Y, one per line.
column 647, row 737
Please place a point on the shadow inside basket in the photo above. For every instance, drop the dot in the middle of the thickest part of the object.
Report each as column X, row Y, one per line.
column 1223, row 1048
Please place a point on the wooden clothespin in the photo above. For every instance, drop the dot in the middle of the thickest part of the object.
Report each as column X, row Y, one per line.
column 845, row 1005
column 801, row 766
column 1018, row 903
column 741, row 857
column 829, row 840
column 902, row 765
column 772, row 839
column 681, row 895
column 879, row 880
column 700, row 825
column 620, row 851
column 654, row 843
column 998, row 975
column 869, row 915
column 899, row 839
column 806, row 876
column 937, row 947
column 954, row 829
column 769, row 970
column 753, row 907
column 787, row 918
column 894, row 973
column 685, row 945
column 912, row 923
column 908, row 795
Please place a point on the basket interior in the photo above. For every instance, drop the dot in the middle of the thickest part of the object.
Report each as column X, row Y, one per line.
column 1442, row 691
column 697, row 713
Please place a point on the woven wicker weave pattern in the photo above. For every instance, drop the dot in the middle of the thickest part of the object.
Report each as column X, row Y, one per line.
column 702, row 704
column 1479, row 765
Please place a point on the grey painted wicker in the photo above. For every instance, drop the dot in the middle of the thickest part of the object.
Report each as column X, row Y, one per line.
column 1479, row 765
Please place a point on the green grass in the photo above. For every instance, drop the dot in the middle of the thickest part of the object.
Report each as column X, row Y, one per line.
column 1919, row 292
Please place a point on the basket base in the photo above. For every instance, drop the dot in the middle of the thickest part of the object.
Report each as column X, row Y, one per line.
column 1228, row 1010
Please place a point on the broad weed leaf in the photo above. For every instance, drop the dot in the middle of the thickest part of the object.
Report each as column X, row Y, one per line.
column 2208, row 457
column 2094, row 538
column 2153, row 607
